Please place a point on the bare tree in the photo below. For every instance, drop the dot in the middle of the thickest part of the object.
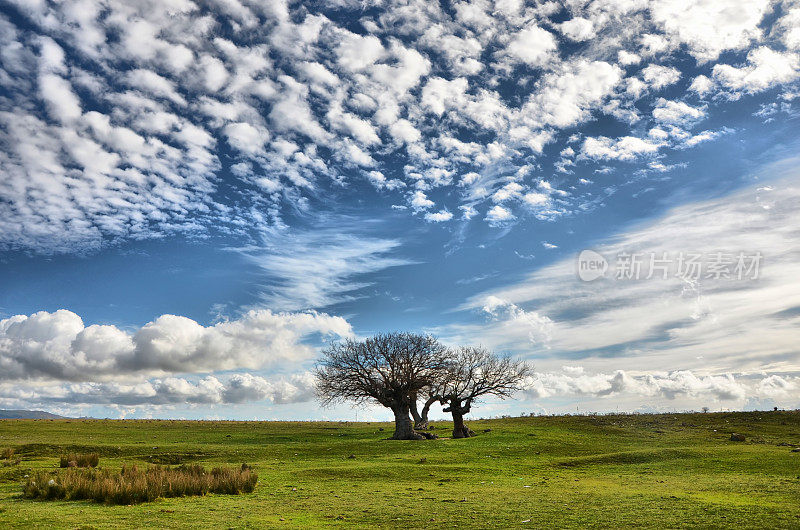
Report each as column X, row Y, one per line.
column 476, row 372
column 387, row 368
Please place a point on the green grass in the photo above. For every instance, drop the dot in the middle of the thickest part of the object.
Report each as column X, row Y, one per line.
column 664, row 471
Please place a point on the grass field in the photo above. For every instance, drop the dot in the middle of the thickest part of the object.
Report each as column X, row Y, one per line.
column 674, row 470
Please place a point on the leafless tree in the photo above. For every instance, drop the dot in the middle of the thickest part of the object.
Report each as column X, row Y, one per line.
column 387, row 369
column 476, row 372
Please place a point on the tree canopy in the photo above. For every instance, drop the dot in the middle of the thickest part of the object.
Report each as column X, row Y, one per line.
column 475, row 372
column 388, row 369
column 396, row 369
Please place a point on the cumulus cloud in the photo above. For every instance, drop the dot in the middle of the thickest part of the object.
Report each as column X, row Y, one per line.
column 735, row 24
column 439, row 217
column 235, row 389
column 575, row 381
column 58, row 346
column 497, row 215
column 764, row 68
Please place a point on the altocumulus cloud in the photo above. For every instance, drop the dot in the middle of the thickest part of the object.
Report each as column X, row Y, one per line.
column 127, row 120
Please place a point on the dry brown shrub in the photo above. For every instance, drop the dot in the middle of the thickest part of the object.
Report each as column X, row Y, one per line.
column 80, row 460
column 133, row 485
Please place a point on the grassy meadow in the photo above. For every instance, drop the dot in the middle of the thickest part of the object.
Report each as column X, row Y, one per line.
column 664, row 471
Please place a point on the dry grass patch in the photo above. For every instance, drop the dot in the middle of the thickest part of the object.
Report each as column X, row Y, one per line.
column 133, row 485
column 7, row 458
column 80, row 460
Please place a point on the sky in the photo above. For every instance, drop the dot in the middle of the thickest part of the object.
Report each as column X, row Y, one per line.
column 198, row 196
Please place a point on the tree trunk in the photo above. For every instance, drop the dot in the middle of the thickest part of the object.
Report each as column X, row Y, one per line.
column 415, row 412
column 459, row 429
column 423, row 423
column 403, row 428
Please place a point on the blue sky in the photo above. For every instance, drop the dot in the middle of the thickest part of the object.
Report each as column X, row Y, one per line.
column 196, row 196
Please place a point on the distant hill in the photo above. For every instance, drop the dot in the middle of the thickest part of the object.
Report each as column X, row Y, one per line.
column 28, row 415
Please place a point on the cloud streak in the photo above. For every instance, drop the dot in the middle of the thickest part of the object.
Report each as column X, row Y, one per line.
column 710, row 325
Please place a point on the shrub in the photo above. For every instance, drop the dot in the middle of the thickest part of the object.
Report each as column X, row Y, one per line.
column 133, row 485
column 80, row 460
column 7, row 453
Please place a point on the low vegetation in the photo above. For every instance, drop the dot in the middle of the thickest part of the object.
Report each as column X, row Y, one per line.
column 7, row 458
column 614, row 471
column 133, row 485
column 80, row 460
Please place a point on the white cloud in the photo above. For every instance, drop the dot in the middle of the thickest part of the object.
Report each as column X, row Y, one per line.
column 765, row 68
column 676, row 112
column 512, row 321
column 419, row 201
column 214, row 73
column 438, row 217
column 246, row 138
column 567, row 97
column 467, row 211
column 625, row 148
column 575, row 381
column 320, row 267
column 61, row 101
column 440, row 94
column 626, row 58
column 735, row 24
column 210, row 390
column 702, row 85
column 532, row 45
column 577, row 29
column 404, row 131
column 154, row 84
column 133, row 111
column 356, row 52
column 711, row 326
column 498, row 215
column 58, row 346
column 658, row 76
column 700, row 138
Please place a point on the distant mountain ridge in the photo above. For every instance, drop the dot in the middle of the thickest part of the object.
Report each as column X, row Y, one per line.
column 28, row 415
